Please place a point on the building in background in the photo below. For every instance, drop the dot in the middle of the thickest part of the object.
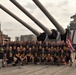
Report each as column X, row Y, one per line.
column 29, row 37
column 3, row 37
column 17, row 38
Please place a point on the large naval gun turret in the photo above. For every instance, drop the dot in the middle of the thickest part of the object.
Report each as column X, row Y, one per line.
column 63, row 32
column 40, row 36
column 50, row 17
column 19, row 20
column 51, row 33
column 47, row 34
column 54, row 33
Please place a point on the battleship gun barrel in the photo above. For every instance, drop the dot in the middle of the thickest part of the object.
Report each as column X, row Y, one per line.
column 56, row 24
column 46, row 30
column 40, row 36
column 19, row 20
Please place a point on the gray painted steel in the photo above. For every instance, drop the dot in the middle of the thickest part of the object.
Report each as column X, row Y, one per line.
column 31, row 17
column 50, row 17
column 19, row 20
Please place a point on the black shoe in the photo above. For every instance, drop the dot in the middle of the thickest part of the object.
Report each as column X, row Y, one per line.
column 70, row 64
column 35, row 63
column 22, row 64
column 46, row 64
column 14, row 64
column 57, row 64
column 3, row 66
column 26, row 63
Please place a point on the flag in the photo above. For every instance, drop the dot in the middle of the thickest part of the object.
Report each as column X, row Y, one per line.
column 69, row 44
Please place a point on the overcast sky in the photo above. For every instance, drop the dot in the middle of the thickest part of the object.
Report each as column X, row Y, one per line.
column 61, row 10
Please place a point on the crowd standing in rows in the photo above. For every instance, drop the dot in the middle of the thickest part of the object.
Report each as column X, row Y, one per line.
column 52, row 53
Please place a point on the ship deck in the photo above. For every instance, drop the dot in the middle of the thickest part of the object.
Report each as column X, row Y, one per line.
column 38, row 70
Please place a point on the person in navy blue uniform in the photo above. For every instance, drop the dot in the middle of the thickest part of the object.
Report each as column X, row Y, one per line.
column 30, row 56
column 36, row 55
column 56, row 56
column 23, row 55
column 17, row 56
column 68, row 56
column 49, row 58
column 9, row 55
column 43, row 56
column 62, row 56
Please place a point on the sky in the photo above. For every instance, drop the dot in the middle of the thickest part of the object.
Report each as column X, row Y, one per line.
column 61, row 10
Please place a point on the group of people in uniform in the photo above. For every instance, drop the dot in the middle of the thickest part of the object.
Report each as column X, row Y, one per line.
column 49, row 53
